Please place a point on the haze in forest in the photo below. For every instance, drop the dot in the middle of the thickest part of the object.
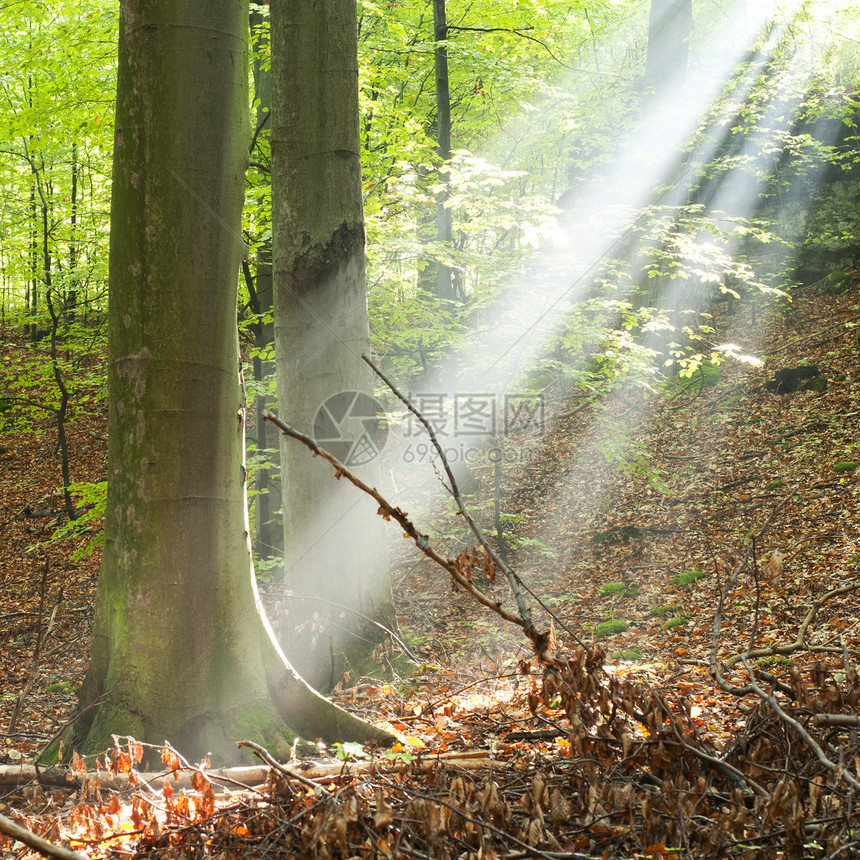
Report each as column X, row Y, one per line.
column 597, row 216
column 656, row 168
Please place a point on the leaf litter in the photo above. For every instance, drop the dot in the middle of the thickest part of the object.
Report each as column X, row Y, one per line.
column 622, row 746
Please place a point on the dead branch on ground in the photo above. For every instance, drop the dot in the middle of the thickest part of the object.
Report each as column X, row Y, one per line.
column 37, row 843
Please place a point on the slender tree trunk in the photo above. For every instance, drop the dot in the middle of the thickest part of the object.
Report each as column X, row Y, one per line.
column 269, row 524
column 444, row 280
column 33, row 303
column 335, row 545
column 34, row 237
column 71, row 298
column 179, row 650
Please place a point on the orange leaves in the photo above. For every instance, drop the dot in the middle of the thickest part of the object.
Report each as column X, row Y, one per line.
column 142, row 812
column 78, row 764
column 122, row 759
column 171, row 761
column 475, row 561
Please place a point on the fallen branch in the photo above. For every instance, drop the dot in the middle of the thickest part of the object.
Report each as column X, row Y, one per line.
column 37, row 843
column 246, row 776
column 274, row 764
column 851, row 721
column 729, row 771
column 800, row 643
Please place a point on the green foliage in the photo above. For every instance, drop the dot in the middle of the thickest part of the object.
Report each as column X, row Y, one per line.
column 629, row 655
column 630, row 455
column 399, row 756
column 349, row 750
column 837, row 282
column 58, row 82
column 60, row 687
column 611, row 628
column 90, row 500
column 696, row 373
column 265, row 569
column 682, row 580
column 661, row 611
column 519, row 542
column 679, row 621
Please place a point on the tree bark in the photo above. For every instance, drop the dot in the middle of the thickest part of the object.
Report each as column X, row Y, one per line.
column 444, row 275
column 335, row 545
column 180, row 648
column 669, row 29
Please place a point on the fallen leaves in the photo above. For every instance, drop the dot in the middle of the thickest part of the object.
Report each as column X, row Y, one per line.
column 617, row 759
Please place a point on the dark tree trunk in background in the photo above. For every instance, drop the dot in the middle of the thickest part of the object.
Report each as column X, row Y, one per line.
column 444, row 279
column 269, row 534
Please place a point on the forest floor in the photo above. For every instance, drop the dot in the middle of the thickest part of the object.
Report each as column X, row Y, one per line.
column 739, row 532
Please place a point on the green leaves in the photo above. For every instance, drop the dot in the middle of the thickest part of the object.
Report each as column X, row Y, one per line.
column 90, row 499
column 349, row 750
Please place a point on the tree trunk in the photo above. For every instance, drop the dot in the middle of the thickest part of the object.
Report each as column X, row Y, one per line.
column 669, row 29
column 444, row 280
column 269, row 530
column 670, row 26
column 71, row 297
column 335, row 545
column 179, row 650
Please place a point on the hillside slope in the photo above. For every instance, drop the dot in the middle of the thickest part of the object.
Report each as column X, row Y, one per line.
column 594, row 540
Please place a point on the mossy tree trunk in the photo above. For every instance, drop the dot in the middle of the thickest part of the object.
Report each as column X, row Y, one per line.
column 179, row 649
column 335, row 545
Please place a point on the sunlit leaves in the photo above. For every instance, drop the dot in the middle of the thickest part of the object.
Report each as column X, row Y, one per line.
column 59, row 66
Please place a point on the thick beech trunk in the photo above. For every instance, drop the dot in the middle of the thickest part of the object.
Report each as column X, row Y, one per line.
column 179, row 649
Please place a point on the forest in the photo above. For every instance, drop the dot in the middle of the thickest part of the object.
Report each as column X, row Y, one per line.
column 430, row 429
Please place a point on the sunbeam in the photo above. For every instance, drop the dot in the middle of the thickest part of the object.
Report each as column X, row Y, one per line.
column 739, row 107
